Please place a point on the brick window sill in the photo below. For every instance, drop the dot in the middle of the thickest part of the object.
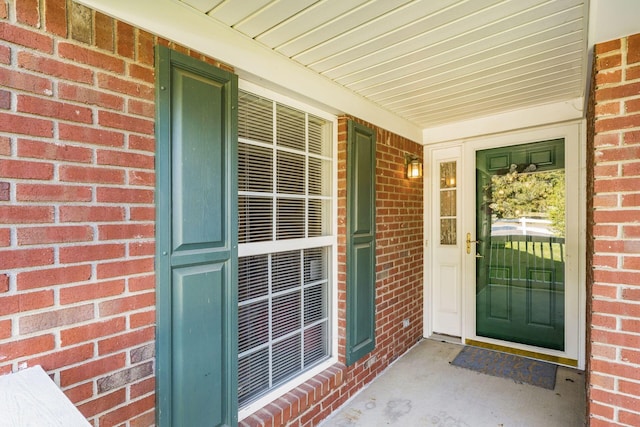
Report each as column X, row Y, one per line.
column 297, row 401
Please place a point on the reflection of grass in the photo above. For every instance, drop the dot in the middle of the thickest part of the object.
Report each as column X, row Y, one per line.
column 531, row 260
column 537, row 249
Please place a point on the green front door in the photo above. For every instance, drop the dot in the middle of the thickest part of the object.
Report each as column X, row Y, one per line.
column 196, row 246
column 520, row 230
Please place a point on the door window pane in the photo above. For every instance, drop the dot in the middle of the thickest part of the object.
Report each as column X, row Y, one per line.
column 448, row 209
column 448, row 232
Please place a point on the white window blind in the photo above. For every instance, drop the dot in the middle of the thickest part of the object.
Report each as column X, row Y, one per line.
column 285, row 167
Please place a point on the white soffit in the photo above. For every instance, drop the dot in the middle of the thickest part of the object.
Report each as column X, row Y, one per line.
column 185, row 25
column 539, row 115
column 406, row 65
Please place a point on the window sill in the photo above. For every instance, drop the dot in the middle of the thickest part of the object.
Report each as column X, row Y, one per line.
column 297, row 401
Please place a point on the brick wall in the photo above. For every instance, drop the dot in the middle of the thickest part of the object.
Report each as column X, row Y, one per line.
column 399, row 246
column 614, row 363
column 77, row 286
column 77, row 221
column 399, row 296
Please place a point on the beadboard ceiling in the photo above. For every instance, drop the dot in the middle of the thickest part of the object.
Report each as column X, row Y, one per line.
column 431, row 62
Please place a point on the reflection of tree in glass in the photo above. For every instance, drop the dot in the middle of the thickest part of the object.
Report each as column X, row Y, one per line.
column 556, row 203
column 529, row 194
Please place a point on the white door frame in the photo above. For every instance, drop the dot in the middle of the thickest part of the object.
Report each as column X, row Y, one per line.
column 575, row 299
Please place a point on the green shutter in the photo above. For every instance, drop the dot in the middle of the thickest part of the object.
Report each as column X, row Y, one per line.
column 196, row 242
column 361, row 241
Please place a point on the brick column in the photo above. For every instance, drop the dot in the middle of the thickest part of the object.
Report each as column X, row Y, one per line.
column 614, row 362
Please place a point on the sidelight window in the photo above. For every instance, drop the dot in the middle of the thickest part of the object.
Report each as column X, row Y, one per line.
column 448, row 209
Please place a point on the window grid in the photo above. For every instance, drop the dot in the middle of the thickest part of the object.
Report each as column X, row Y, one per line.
column 295, row 309
column 302, row 326
column 276, row 196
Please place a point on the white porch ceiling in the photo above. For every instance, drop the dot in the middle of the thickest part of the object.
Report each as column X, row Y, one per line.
column 431, row 62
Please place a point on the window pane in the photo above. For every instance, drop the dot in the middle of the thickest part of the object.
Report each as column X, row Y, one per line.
column 314, row 303
column 286, row 314
column 290, row 219
column 448, row 203
column 319, row 177
column 448, row 231
column 315, row 265
column 290, row 173
column 316, row 344
column 253, row 325
column 255, row 118
column 319, row 218
column 286, row 271
column 255, row 222
column 290, row 127
column 255, row 168
column 253, row 375
column 447, row 174
column 287, row 356
column 319, row 136
column 253, row 277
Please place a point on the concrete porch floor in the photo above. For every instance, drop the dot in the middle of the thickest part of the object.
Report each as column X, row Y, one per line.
column 423, row 389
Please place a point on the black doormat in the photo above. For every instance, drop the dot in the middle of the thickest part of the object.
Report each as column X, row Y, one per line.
column 519, row 369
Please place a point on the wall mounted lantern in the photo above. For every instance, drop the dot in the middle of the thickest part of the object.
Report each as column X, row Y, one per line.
column 414, row 166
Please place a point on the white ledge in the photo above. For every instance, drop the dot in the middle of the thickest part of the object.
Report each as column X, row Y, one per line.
column 29, row 398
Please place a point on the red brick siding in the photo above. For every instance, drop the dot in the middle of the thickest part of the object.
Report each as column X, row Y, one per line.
column 614, row 303
column 77, row 289
column 399, row 296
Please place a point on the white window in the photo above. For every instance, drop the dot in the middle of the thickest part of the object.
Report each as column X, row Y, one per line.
column 287, row 244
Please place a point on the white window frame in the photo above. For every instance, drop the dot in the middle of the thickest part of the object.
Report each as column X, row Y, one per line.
column 330, row 240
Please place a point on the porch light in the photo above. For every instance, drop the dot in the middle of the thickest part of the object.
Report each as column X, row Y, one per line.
column 414, row 167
